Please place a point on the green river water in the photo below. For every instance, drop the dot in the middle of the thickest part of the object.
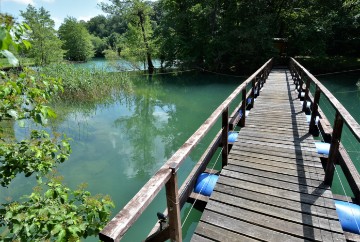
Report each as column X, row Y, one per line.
column 119, row 144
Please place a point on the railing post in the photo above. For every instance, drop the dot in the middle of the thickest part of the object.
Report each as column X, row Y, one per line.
column 225, row 131
column 334, row 149
column 301, row 82
column 259, row 85
column 252, row 92
column 306, row 97
column 314, row 112
column 243, row 107
column 173, row 205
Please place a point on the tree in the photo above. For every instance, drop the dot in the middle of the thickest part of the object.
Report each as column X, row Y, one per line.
column 46, row 46
column 76, row 40
column 220, row 35
column 139, row 41
column 98, row 26
column 58, row 211
column 99, row 45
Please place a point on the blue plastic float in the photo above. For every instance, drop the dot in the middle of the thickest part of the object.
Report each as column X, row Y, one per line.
column 308, row 103
column 322, row 148
column 232, row 136
column 349, row 216
column 308, row 117
column 246, row 113
column 205, row 183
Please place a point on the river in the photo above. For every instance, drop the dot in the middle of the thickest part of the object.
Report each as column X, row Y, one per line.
column 119, row 145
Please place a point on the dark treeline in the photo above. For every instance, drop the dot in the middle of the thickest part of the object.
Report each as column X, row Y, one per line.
column 227, row 35
column 219, row 35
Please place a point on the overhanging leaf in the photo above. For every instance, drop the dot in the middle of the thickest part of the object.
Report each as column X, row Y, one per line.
column 11, row 58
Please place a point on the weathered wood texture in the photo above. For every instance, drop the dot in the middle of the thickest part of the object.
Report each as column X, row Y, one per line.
column 272, row 188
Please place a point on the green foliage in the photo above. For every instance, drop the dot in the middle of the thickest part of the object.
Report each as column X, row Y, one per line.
column 57, row 213
column 138, row 43
column 38, row 154
column 12, row 37
column 220, row 35
column 46, row 46
column 76, row 40
column 231, row 35
column 99, row 45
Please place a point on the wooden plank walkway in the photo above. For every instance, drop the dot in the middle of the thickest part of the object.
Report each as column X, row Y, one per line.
column 272, row 188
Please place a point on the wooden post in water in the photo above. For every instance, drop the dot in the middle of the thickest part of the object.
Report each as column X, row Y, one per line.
column 225, row 131
column 243, row 107
column 314, row 112
column 173, row 205
column 334, row 149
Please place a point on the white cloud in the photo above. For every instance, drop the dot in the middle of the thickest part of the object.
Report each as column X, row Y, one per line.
column 58, row 22
column 25, row 2
column 48, row 1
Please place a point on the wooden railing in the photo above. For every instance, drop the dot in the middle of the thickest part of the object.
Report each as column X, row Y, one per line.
column 167, row 174
column 337, row 153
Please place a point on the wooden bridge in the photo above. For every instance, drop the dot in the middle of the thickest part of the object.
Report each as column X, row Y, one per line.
column 274, row 186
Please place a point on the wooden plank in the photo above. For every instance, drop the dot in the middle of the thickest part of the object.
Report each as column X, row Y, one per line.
column 198, row 238
column 219, row 234
column 310, row 228
column 273, row 183
column 281, row 202
column 197, row 197
column 280, row 152
column 298, row 159
column 296, row 179
column 246, row 229
column 315, row 198
column 322, row 189
column 294, row 171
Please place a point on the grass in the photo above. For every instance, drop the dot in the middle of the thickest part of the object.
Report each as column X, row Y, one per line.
column 87, row 84
column 4, row 64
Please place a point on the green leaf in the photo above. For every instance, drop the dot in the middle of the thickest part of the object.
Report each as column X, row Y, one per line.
column 49, row 193
column 16, row 228
column 56, row 229
column 27, row 44
column 61, row 236
column 13, row 113
column 10, row 56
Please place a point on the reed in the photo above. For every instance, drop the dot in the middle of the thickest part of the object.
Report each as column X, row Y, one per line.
column 87, row 84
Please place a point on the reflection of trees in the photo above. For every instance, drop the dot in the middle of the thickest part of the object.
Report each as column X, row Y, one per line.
column 7, row 131
column 142, row 129
column 85, row 109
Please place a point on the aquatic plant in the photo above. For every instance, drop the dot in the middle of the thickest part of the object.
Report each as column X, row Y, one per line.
column 87, row 84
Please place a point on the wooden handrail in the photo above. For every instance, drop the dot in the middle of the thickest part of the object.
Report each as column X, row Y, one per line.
column 337, row 154
column 118, row 226
column 346, row 116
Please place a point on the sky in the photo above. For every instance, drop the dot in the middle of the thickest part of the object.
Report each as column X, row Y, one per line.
column 58, row 9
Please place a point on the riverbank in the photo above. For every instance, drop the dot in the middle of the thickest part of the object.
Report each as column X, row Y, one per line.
column 322, row 65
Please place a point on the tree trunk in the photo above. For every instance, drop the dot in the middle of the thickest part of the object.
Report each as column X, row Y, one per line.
column 148, row 54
